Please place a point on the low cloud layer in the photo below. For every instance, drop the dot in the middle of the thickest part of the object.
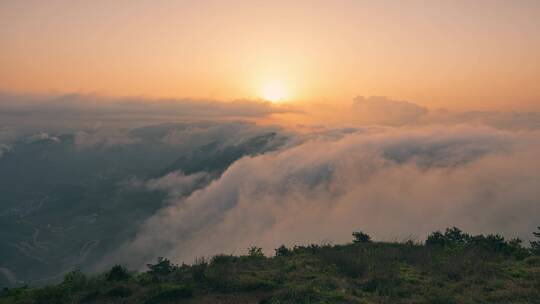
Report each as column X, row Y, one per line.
column 382, row 110
column 57, row 113
column 391, row 182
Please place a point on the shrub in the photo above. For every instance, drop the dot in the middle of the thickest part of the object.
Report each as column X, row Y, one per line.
column 305, row 293
column 255, row 252
column 90, row 297
column 74, row 281
column 168, row 293
column 282, row 251
column 348, row 263
column 533, row 261
column 249, row 283
column 162, row 267
column 495, row 242
column 385, row 285
column 378, row 260
column 120, row 292
column 516, row 250
column 117, row 273
column 436, row 239
column 440, row 296
column 222, row 259
column 489, row 244
column 199, row 269
column 14, row 293
column 51, row 295
column 146, row 278
column 535, row 245
column 452, row 237
column 361, row 237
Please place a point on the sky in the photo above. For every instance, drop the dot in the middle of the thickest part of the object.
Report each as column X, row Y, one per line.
column 466, row 55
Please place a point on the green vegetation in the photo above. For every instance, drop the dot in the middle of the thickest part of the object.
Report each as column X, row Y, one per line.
column 535, row 246
column 451, row 267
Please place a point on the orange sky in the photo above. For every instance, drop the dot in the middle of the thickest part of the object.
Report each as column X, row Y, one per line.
column 456, row 54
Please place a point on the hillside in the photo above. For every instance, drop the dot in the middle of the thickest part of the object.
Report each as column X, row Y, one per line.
column 450, row 267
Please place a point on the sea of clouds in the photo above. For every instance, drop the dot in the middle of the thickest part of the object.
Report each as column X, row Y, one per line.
column 392, row 183
column 398, row 171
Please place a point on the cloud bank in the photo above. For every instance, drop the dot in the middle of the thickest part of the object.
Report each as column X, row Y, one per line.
column 382, row 110
column 60, row 113
column 390, row 182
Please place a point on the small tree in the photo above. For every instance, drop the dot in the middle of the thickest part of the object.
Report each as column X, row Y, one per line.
column 74, row 280
column 515, row 248
column 361, row 237
column 535, row 246
column 436, row 239
column 162, row 267
column 452, row 237
column 455, row 236
column 255, row 252
column 199, row 269
column 117, row 273
column 283, row 251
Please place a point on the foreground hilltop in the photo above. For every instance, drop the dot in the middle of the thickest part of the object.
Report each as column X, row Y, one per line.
column 450, row 267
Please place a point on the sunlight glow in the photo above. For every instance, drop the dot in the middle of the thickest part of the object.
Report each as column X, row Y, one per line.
column 273, row 92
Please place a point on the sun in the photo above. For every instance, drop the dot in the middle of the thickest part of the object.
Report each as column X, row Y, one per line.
column 273, row 92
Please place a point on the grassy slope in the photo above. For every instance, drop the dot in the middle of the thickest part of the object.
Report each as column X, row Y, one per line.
column 352, row 273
